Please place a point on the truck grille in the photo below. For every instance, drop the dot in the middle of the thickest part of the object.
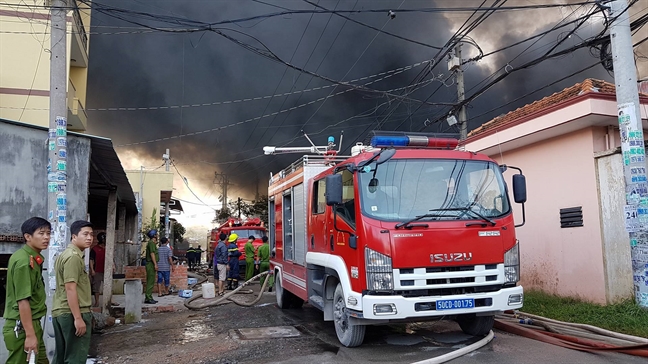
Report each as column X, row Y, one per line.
column 449, row 280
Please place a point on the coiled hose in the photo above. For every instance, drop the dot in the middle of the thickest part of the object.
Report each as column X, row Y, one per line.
column 227, row 298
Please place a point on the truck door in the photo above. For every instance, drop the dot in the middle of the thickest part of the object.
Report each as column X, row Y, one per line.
column 338, row 239
column 317, row 228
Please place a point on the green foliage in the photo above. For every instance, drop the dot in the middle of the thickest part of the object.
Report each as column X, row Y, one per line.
column 626, row 317
column 256, row 208
column 153, row 223
column 178, row 230
column 259, row 208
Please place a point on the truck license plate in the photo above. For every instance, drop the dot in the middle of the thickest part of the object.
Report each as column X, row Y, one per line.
column 455, row 304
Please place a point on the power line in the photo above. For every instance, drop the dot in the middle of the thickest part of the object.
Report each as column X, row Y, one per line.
column 186, row 182
column 380, row 30
column 390, row 73
column 350, row 69
column 337, row 35
column 280, row 80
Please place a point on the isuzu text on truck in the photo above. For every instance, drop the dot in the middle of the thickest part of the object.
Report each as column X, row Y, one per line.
column 407, row 229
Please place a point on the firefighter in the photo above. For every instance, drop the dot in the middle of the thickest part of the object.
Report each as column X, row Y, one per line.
column 249, row 259
column 191, row 252
column 151, row 266
column 233, row 263
column 264, row 260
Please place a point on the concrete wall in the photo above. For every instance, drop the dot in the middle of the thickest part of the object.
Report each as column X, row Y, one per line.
column 615, row 240
column 25, row 64
column 153, row 182
column 23, row 186
column 560, row 173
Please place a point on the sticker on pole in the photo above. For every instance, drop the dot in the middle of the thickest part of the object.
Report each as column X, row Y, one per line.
column 632, row 222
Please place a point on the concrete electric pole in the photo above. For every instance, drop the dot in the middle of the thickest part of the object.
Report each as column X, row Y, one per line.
column 632, row 145
column 223, row 180
column 167, row 164
column 57, row 155
column 454, row 64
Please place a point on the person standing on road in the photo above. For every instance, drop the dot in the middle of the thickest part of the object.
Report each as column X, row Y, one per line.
column 97, row 263
column 233, row 264
column 249, row 258
column 191, row 257
column 220, row 263
column 25, row 295
column 71, row 314
column 165, row 267
column 151, row 266
column 264, row 260
column 197, row 256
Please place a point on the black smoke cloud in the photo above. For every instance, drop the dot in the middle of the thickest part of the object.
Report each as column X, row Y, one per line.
column 156, row 68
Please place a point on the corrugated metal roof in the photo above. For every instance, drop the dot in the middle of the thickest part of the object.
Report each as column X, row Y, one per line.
column 104, row 157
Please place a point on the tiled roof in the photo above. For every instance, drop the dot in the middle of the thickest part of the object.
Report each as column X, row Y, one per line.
column 590, row 85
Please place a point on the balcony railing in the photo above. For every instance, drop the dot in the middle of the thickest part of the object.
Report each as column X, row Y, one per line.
column 80, row 28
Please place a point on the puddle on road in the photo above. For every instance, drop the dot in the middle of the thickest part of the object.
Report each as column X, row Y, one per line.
column 196, row 330
column 404, row 340
column 261, row 333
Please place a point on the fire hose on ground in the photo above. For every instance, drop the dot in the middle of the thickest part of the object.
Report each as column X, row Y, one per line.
column 459, row 352
column 572, row 336
column 228, row 297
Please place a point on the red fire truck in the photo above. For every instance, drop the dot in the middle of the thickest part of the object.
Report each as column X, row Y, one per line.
column 244, row 229
column 406, row 229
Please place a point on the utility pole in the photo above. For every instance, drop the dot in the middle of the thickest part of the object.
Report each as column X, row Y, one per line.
column 632, row 145
column 140, row 218
column 57, row 154
column 238, row 203
column 167, row 162
column 223, row 180
column 463, row 126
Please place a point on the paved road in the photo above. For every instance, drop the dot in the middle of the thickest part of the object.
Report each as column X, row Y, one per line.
column 418, row 342
column 218, row 336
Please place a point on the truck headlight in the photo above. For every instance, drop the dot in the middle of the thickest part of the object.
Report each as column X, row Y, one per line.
column 380, row 276
column 512, row 264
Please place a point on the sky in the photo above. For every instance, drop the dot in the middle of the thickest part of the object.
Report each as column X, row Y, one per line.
column 235, row 101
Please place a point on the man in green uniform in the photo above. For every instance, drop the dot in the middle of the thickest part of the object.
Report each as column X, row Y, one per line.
column 264, row 260
column 71, row 315
column 25, row 299
column 151, row 266
column 249, row 259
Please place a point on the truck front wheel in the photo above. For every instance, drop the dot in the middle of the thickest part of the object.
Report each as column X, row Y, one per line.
column 350, row 335
column 476, row 325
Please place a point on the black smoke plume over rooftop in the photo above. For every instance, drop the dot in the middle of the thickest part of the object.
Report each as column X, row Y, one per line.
column 150, row 69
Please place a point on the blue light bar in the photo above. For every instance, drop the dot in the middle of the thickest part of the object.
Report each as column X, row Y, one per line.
column 389, row 141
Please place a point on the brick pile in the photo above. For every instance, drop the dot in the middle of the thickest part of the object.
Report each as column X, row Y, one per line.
column 178, row 276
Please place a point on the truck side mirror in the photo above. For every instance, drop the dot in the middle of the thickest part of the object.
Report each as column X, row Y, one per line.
column 333, row 190
column 519, row 188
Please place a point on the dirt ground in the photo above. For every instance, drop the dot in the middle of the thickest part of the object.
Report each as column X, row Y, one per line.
column 206, row 336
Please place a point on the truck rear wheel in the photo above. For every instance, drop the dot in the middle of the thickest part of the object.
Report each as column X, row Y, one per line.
column 283, row 296
column 476, row 325
column 350, row 335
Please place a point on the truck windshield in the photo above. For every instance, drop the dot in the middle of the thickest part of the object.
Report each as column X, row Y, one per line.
column 245, row 233
column 402, row 189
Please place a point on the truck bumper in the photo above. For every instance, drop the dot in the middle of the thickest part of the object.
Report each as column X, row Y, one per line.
column 413, row 307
